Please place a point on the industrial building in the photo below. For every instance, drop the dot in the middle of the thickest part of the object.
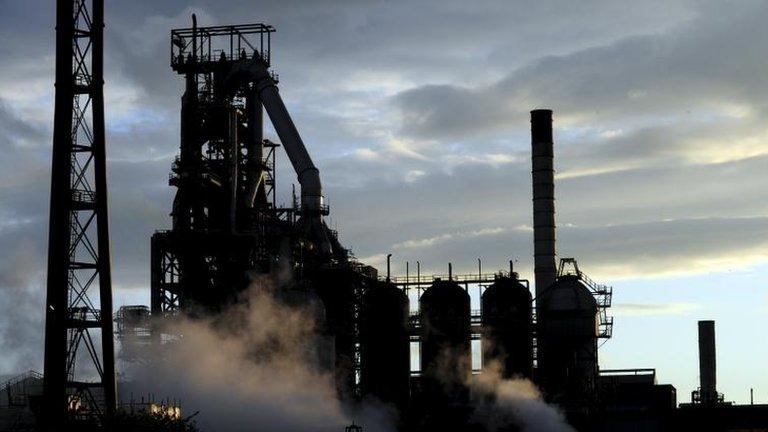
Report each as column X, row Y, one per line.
column 227, row 230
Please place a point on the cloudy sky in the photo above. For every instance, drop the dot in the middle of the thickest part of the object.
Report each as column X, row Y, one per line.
column 417, row 115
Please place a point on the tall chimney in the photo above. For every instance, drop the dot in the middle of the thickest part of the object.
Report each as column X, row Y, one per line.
column 543, row 200
column 707, row 364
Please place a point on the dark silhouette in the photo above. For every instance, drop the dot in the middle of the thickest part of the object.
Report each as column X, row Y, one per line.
column 78, row 240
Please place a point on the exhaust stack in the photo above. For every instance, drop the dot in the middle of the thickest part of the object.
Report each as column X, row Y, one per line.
column 707, row 364
column 543, row 176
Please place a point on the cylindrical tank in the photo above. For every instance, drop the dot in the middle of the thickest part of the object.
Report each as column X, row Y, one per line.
column 567, row 341
column 446, row 362
column 319, row 351
column 384, row 344
column 337, row 289
column 507, row 327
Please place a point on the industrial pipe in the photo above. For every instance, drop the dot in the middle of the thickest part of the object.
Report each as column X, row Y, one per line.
column 255, row 148
column 308, row 175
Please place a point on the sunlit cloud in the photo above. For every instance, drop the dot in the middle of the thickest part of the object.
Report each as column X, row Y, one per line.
column 653, row 309
column 414, row 175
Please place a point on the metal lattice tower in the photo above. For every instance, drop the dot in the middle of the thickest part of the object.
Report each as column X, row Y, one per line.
column 79, row 371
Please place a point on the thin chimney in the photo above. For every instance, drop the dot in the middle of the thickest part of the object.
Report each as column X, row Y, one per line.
column 707, row 364
column 543, row 176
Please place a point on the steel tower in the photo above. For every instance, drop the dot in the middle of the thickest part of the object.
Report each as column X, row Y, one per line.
column 79, row 373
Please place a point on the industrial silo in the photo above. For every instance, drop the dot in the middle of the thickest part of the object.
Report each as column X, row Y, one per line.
column 338, row 289
column 567, row 341
column 319, row 351
column 446, row 361
column 507, row 327
column 384, row 344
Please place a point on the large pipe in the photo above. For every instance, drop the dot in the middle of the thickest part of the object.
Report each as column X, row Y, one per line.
column 707, row 363
column 308, row 175
column 232, row 160
column 255, row 148
column 543, row 176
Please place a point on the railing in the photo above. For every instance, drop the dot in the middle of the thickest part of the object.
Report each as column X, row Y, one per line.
column 84, row 315
column 459, row 278
column 216, row 43
column 624, row 372
column 83, row 196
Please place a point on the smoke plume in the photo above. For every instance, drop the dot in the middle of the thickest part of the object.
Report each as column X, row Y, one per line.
column 253, row 367
column 22, row 301
column 501, row 402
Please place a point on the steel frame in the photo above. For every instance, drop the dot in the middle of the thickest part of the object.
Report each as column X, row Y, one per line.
column 165, row 277
column 211, row 44
column 78, row 249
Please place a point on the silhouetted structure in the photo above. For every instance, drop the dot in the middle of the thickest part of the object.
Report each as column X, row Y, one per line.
column 570, row 308
column 446, row 363
column 567, row 341
column 707, row 393
column 225, row 219
column 543, row 181
column 79, row 382
column 384, row 345
column 445, row 340
column 339, row 289
column 227, row 228
column 508, row 327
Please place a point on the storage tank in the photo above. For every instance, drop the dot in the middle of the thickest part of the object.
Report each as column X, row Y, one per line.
column 338, row 288
column 567, row 341
column 318, row 352
column 446, row 361
column 385, row 344
column 507, row 327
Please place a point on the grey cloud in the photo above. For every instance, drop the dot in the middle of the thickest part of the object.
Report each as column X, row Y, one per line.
column 603, row 218
column 16, row 130
column 706, row 62
column 607, row 252
column 653, row 309
column 21, row 289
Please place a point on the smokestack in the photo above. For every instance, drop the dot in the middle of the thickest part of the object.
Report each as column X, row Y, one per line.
column 707, row 364
column 543, row 175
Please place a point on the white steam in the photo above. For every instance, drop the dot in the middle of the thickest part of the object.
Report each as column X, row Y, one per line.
column 256, row 367
column 253, row 368
column 500, row 402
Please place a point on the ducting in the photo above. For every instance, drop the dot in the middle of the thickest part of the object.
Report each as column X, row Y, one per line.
column 308, row 175
column 255, row 149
